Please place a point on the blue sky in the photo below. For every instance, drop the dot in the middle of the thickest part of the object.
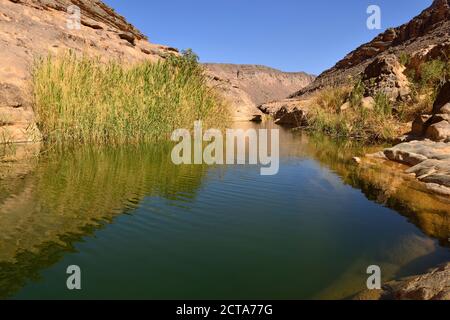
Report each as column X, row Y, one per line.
column 290, row 35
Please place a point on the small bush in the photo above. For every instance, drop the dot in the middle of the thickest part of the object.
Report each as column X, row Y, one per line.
column 357, row 94
column 404, row 59
column 383, row 105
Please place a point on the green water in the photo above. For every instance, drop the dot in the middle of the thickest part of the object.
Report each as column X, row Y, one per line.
column 140, row 227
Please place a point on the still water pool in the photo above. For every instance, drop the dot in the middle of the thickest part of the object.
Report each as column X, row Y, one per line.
column 140, row 227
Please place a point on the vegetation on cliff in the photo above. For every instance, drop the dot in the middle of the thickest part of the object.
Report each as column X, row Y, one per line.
column 344, row 111
column 81, row 99
column 357, row 119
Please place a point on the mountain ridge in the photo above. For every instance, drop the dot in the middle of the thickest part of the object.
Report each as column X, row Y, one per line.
column 424, row 31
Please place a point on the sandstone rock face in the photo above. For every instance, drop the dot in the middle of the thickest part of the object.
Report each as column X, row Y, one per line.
column 433, row 285
column 385, row 75
column 248, row 86
column 425, row 37
column 368, row 103
column 33, row 28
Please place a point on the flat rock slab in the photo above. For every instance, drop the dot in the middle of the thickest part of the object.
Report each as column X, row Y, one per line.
column 429, row 161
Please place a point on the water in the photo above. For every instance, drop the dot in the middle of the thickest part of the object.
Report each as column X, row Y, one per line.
column 140, row 227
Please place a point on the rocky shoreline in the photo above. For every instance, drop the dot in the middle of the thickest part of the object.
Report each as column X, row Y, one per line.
column 433, row 285
column 426, row 149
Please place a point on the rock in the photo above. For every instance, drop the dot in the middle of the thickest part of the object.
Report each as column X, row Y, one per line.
column 427, row 31
column 368, row 103
column 406, row 157
column 439, row 131
column 288, row 112
column 436, row 126
column 128, row 36
column 377, row 155
column 356, row 160
column 438, row 179
column 345, row 106
column 418, row 126
column 11, row 96
column 429, row 161
column 257, row 118
column 248, row 86
column 442, row 98
column 385, row 74
column 39, row 28
column 445, row 109
column 433, row 285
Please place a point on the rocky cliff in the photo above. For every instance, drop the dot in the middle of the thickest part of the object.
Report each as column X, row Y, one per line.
column 381, row 65
column 247, row 86
column 424, row 36
column 433, row 285
column 34, row 28
column 377, row 63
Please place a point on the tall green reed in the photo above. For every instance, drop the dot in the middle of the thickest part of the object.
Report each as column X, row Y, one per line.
column 81, row 99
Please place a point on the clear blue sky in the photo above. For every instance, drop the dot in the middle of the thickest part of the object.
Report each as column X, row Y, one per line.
column 291, row 35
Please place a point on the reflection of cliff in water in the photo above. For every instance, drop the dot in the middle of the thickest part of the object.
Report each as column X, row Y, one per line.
column 385, row 183
column 382, row 182
column 50, row 203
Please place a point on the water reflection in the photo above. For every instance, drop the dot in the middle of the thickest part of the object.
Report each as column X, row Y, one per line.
column 285, row 227
column 49, row 203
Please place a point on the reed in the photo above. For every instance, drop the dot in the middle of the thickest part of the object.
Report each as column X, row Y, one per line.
column 81, row 99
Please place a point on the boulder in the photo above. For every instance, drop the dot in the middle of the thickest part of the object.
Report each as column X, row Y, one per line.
column 439, row 131
column 245, row 87
column 385, row 75
column 432, row 285
column 442, row 98
column 345, row 106
column 418, row 126
column 288, row 112
column 429, row 161
column 30, row 29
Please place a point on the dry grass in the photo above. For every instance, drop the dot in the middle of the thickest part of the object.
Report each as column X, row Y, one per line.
column 369, row 125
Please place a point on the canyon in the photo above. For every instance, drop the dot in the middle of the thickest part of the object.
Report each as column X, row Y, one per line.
column 30, row 29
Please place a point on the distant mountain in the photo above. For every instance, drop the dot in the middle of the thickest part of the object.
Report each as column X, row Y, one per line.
column 247, row 86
